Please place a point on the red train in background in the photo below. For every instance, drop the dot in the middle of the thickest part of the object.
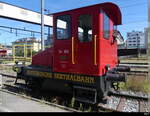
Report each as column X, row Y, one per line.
column 3, row 53
column 83, row 61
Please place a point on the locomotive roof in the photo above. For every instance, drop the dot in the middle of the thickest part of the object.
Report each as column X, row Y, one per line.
column 110, row 8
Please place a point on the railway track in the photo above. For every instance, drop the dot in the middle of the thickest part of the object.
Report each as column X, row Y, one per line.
column 21, row 90
column 137, row 69
column 120, row 101
column 133, row 66
column 125, row 102
column 137, row 73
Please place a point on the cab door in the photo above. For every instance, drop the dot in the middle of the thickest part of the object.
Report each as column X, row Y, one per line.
column 109, row 44
column 62, row 42
column 86, row 43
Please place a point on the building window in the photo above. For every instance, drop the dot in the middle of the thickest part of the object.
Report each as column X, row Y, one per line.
column 106, row 26
column 138, row 37
column 63, row 30
column 128, row 34
column 85, row 28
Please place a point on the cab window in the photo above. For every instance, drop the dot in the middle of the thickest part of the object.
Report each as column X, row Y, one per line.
column 63, row 30
column 106, row 26
column 85, row 28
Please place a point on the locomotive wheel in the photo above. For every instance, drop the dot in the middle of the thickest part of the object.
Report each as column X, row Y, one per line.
column 35, row 85
column 56, row 100
column 76, row 105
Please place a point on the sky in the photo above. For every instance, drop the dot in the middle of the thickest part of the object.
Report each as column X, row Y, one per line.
column 134, row 15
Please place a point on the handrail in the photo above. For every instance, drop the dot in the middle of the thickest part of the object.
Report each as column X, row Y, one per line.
column 95, row 51
column 73, row 60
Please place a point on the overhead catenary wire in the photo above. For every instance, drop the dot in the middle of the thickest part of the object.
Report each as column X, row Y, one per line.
column 134, row 5
column 131, row 5
column 20, row 29
column 134, row 14
column 13, row 32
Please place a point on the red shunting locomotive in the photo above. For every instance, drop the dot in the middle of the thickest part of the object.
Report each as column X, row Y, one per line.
column 83, row 61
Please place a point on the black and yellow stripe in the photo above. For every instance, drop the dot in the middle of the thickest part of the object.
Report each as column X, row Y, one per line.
column 60, row 76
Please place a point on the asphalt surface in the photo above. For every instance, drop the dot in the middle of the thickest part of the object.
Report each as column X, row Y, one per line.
column 13, row 103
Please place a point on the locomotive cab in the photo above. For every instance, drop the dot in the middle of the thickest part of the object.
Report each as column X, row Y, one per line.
column 83, row 39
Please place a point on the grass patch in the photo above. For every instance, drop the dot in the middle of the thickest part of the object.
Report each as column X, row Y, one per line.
column 138, row 84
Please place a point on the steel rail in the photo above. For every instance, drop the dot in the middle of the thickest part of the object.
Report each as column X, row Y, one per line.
column 119, row 94
column 11, row 76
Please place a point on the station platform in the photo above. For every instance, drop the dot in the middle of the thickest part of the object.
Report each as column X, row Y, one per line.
column 13, row 103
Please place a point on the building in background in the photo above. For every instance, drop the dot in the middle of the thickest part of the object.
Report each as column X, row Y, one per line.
column 149, row 13
column 7, row 50
column 136, row 40
column 25, row 48
column 146, row 38
column 31, row 41
column 1, row 46
column 120, row 41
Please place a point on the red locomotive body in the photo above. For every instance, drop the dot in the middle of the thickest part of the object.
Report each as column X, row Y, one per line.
column 74, row 55
column 44, row 58
column 83, row 59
